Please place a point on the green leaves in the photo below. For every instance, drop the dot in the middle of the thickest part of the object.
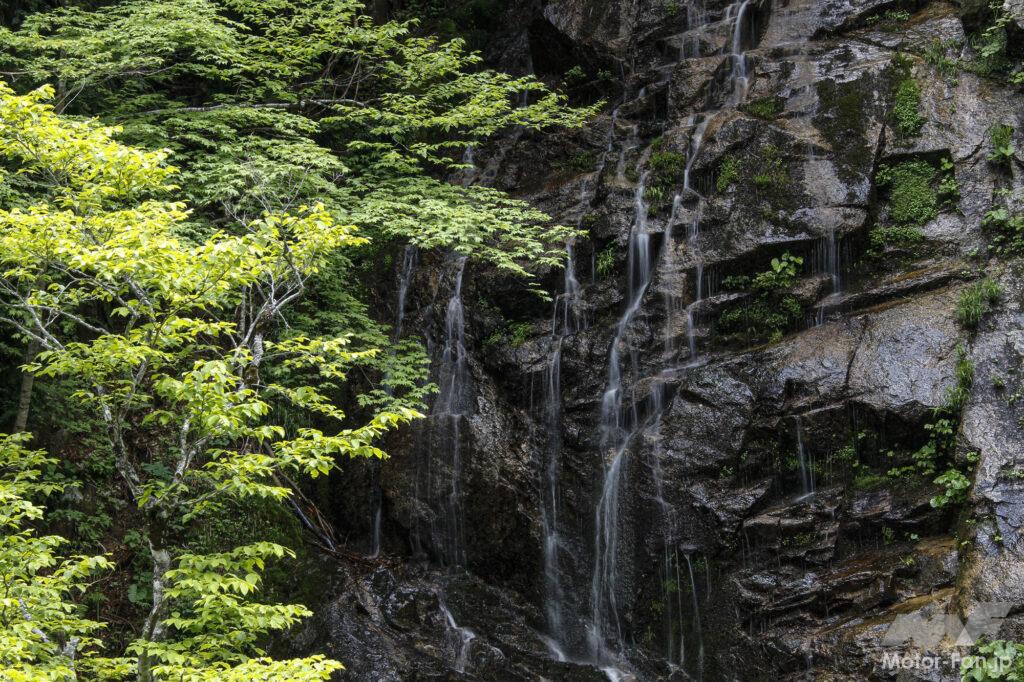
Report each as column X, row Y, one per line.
column 215, row 625
column 267, row 126
column 42, row 630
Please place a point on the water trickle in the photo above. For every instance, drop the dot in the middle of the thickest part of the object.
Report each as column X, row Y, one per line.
column 740, row 82
column 828, row 261
column 459, row 638
column 806, row 466
column 605, row 623
column 409, row 256
column 696, row 618
column 451, row 407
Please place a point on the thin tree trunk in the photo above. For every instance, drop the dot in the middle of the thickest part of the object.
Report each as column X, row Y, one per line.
column 153, row 628
column 25, row 393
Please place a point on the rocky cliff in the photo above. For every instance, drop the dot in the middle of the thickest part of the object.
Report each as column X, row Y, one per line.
column 714, row 453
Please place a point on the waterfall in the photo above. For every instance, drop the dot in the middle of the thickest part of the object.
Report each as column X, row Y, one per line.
column 696, row 618
column 827, row 260
column 404, row 280
column 693, row 235
column 738, row 76
column 565, row 321
column 806, row 466
column 458, row 637
column 618, row 425
column 615, row 439
column 443, row 432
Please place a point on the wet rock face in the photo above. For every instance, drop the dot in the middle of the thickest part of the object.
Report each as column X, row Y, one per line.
column 752, row 528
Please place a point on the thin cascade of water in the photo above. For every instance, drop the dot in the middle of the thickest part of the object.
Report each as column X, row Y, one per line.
column 409, row 257
column 738, row 76
column 451, row 407
column 828, row 261
column 806, row 466
column 459, row 638
column 566, row 320
column 696, row 20
column 615, row 439
column 696, row 618
column 672, row 304
column 605, row 636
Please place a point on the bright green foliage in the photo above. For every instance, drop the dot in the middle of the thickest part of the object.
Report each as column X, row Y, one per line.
column 605, row 261
column 1003, row 148
column 912, row 198
column 176, row 335
column 954, row 489
column 949, row 190
column 43, row 634
column 992, row 47
column 998, row 660
column 668, row 167
column 1007, row 229
column 728, row 173
column 667, row 174
column 781, row 275
column 890, row 16
column 906, row 118
column 271, row 104
column 768, row 315
column 216, row 626
column 976, row 301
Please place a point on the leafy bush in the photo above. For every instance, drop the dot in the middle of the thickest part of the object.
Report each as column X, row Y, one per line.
column 912, row 199
column 772, row 172
column 898, row 236
column 765, row 107
column 955, row 486
column 667, row 172
column 574, row 76
column 583, row 161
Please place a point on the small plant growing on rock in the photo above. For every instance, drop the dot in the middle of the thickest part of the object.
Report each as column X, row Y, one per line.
column 912, row 199
column 906, row 119
column 977, row 300
column 954, row 489
column 998, row 660
column 574, row 76
column 605, row 261
column 1007, row 231
column 949, row 189
column 1003, row 149
column 782, row 274
column 583, row 161
column 728, row 173
column 896, row 237
column 765, row 107
column 772, row 173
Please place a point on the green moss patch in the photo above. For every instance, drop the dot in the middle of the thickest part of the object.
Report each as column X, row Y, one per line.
column 913, row 199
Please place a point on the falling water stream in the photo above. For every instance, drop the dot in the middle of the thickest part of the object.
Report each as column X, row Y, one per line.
column 618, row 425
column 409, row 256
column 450, row 410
